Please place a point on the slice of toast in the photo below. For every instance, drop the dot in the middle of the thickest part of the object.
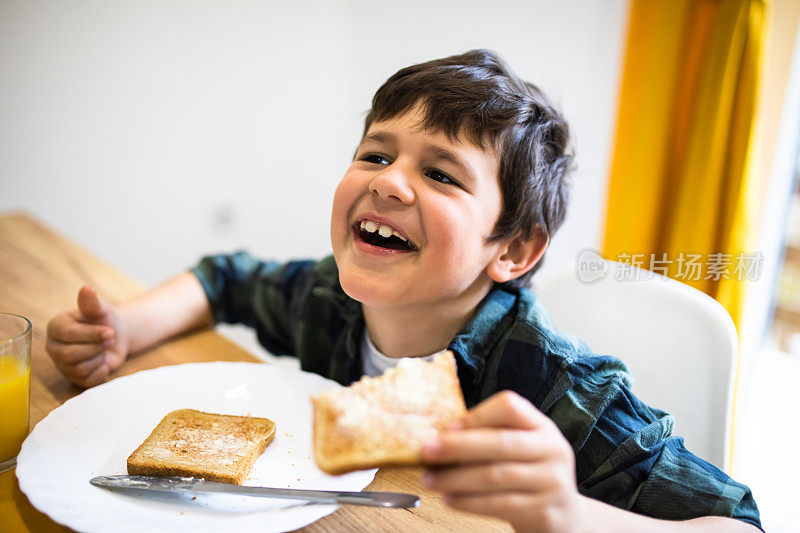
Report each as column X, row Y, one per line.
column 385, row 420
column 192, row 443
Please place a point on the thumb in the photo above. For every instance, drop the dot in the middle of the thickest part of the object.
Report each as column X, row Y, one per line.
column 504, row 409
column 90, row 305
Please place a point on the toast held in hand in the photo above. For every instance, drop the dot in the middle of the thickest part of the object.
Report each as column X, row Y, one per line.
column 385, row 420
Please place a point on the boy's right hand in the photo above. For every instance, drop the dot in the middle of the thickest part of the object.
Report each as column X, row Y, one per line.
column 89, row 343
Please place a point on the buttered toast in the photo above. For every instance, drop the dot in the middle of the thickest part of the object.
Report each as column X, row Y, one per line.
column 385, row 420
column 192, row 443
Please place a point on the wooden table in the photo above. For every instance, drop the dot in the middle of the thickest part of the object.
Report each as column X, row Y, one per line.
column 40, row 274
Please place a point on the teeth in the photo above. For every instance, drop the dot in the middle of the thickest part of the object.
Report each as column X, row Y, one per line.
column 384, row 231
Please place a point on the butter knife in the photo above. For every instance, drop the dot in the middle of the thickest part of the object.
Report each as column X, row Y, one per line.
column 198, row 485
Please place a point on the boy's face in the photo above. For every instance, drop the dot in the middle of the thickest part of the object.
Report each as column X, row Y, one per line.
column 441, row 195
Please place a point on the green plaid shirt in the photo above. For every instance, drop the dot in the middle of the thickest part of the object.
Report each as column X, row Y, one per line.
column 625, row 452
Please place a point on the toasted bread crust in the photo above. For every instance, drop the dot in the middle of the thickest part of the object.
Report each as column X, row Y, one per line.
column 192, row 443
column 385, row 420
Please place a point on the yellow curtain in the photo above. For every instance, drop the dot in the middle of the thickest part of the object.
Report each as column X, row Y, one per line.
column 681, row 175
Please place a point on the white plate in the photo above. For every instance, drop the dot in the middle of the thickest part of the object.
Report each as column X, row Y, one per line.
column 93, row 433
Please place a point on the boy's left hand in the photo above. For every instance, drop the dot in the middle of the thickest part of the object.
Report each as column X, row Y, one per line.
column 505, row 458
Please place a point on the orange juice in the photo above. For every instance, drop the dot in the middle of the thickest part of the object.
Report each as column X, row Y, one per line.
column 15, row 386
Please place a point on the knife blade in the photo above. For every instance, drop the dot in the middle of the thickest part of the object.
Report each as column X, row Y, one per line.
column 198, row 485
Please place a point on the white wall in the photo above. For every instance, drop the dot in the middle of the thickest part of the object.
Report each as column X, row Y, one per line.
column 154, row 132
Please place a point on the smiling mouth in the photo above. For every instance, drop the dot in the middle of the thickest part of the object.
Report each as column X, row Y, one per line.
column 382, row 236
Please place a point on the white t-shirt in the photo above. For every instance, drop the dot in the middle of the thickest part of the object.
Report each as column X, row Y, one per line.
column 374, row 363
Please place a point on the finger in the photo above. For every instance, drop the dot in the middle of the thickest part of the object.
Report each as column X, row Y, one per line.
column 484, row 445
column 506, row 505
column 95, row 378
column 114, row 359
column 72, row 353
column 505, row 409
column 90, row 304
column 490, row 477
column 84, row 369
column 83, row 333
column 58, row 323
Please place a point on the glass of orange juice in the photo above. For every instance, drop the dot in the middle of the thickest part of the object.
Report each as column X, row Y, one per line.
column 15, row 386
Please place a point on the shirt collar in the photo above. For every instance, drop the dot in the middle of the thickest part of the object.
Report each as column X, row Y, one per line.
column 473, row 344
column 349, row 308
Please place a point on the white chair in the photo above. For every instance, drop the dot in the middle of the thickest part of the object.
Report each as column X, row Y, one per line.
column 679, row 344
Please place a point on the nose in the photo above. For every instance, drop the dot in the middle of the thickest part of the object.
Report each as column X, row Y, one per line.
column 393, row 183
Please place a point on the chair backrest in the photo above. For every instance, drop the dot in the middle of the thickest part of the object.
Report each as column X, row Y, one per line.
column 679, row 344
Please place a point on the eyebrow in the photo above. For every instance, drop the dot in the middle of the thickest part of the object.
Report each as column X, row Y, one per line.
column 436, row 151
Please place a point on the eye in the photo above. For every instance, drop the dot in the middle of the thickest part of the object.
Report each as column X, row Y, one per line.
column 376, row 159
column 441, row 177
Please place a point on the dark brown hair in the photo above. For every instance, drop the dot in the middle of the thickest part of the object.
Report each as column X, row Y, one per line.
column 477, row 95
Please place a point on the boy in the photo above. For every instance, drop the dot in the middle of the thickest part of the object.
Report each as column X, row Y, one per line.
column 455, row 189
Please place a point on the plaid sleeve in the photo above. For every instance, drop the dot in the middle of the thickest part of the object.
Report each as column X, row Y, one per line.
column 626, row 456
column 260, row 294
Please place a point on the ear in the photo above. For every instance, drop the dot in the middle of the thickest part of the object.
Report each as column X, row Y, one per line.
column 517, row 256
